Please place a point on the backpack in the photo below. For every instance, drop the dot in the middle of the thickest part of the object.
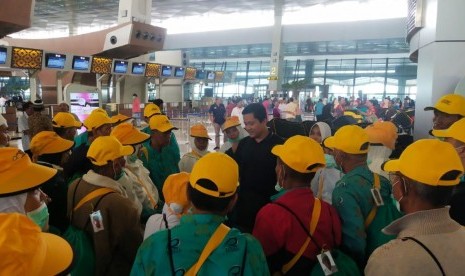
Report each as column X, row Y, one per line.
column 80, row 241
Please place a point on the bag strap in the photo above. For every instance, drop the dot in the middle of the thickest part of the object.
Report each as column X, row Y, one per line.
column 95, row 193
column 170, row 250
column 214, row 241
column 313, row 224
column 139, row 181
column 320, row 186
column 428, row 251
column 371, row 216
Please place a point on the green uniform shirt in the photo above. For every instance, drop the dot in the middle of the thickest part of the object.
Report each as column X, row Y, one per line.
column 188, row 240
column 161, row 164
column 353, row 200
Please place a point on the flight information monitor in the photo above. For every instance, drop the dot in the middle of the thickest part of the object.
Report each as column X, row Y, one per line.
column 166, row 71
column 179, row 72
column 120, row 67
column 3, row 55
column 81, row 63
column 55, row 61
column 138, row 68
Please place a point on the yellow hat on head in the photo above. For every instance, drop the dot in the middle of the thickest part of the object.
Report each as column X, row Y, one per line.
column 456, row 131
column 96, row 120
column 48, row 142
column 107, row 148
column 127, row 134
column 175, row 189
column 199, row 131
column 119, row 118
column 301, row 154
column 453, row 104
column 18, row 173
column 215, row 174
column 350, row 139
column 231, row 122
column 382, row 133
column 354, row 115
column 151, row 109
column 428, row 161
column 26, row 250
column 161, row 123
column 99, row 110
column 64, row 120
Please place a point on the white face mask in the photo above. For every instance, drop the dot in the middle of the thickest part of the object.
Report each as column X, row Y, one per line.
column 278, row 187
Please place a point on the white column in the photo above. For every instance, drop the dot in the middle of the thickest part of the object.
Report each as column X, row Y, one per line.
column 276, row 65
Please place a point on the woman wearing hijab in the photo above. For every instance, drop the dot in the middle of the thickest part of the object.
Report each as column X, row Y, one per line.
column 325, row 179
column 199, row 143
column 235, row 132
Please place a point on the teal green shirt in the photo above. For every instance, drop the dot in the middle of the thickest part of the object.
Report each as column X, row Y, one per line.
column 353, row 200
column 81, row 139
column 161, row 164
column 188, row 240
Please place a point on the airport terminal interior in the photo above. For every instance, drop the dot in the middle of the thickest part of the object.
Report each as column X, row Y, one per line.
column 341, row 62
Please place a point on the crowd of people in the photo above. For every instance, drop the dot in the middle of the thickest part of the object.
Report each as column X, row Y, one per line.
column 120, row 200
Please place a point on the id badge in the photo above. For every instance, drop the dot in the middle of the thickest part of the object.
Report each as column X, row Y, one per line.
column 97, row 221
column 327, row 263
column 377, row 197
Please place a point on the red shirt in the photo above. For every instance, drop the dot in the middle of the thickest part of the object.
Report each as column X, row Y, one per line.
column 136, row 105
column 280, row 233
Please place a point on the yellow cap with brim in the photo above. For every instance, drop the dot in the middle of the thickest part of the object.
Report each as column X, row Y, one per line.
column 384, row 133
column 151, row 109
column 199, row 131
column 65, row 120
column 350, row 139
column 161, row 123
column 354, row 115
column 215, row 174
column 127, row 134
column 26, row 250
column 96, row 120
column 301, row 154
column 175, row 189
column 453, row 104
column 428, row 161
column 120, row 118
column 48, row 142
column 107, row 148
column 231, row 122
column 456, row 131
column 18, row 174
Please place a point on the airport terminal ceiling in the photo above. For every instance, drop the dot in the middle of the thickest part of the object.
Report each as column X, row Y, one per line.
column 55, row 15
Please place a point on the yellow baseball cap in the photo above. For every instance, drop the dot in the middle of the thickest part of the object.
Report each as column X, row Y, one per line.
column 199, row 131
column 453, row 104
column 64, row 120
column 301, row 154
column 456, row 131
column 354, row 115
column 217, row 170
column 107, row 148
column 151, row 109
column 350, row 139
column 96, row 120
column 48, row 142
column 428, row 161
column 382, row 133
column 127, row 134
column 175, row 189
column 161, row 123
column 26, row 250
column 19, row 174
column 119, row 118
column 231, row 122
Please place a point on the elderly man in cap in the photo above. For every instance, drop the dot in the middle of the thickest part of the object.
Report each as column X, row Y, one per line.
column 428, row 241
column 199, row 144
column 20, row 183
column 37, row 121
column 25, row 250
column 361, row 197
column 65, row 125
column 382, row 137
column 49, row 149
column 447, row 110
column 201, row 244
column 114, row 220
column 298, row 160
column 160, row 163
column 97, row 124
column 455, row 135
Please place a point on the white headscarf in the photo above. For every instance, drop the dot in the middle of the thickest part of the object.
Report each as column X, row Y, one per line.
column 377, row 155
column 195, row 148
column 13, row 204
column 228, row 144
column 325, row 130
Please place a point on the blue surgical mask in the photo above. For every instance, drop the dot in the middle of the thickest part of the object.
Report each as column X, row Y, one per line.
column 330, row 162
column 40, row 216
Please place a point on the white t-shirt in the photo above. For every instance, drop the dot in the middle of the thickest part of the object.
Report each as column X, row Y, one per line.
column 237, row 111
